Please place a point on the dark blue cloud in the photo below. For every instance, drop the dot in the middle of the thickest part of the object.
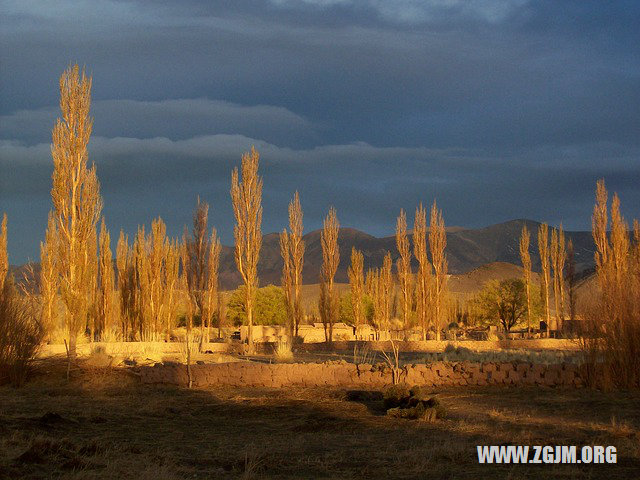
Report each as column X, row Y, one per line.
column 499, row 108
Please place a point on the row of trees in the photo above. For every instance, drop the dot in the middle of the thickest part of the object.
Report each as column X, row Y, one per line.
column 423, row 295
column 78, row 282
column 153, row 275
column 138, row 298
column 556, row 273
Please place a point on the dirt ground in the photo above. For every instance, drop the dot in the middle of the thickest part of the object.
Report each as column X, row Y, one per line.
column 104, row 424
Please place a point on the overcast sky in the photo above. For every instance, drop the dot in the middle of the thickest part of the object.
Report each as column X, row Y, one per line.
column 499, row 109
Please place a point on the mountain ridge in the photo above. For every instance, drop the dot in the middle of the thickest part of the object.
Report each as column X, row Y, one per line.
column 467, row 249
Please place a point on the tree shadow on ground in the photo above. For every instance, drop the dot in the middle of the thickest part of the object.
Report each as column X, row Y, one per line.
column 108, row 425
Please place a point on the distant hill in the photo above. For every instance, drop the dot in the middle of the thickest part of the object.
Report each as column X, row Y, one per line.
column 467, row 251
column 471, row 282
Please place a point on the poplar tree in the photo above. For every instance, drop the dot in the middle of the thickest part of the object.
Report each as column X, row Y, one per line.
column 571, row 280
column 107, row 305
column 4, row 255
column 543, row 249
column 437, row 244
column 375, row 281
column 613, row 335
column 356, row 285
column 170, row 287
column 246, row 197
column 126, row 287
column 210, row 299
column 423, row 277
column 292, row 249
column 196, row 266
column 140, row 285
column 330, row 261
column 525, row 257
column 558, row 261
column 49, row 277
column 386, row 290
column 403, row 265
column 76, row 201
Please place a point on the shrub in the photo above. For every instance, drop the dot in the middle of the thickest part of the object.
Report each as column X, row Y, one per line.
column 610, row 338
column 450, row 348
column 362, row 354
column 282, row 351
column 21, row 334
column 396, row 396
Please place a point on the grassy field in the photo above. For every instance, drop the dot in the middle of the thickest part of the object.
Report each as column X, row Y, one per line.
column 105, row 424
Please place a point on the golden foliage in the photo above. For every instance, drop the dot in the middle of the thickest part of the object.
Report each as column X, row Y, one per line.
column 385, row 291
column 543, row 249
column 49, row 278
column 108, row 318
column 525, row 257
column 423, row 277
column 76, row 202
column 195, row 253
column 292, row 249
column 246, row 197
column 210, row 300
column 21, row 334
column 330, row 259
column 356, row 284
column 4, row 256
column 611, row 340
column 403, row 265
column 437, row 244
column 127, row 288
column 558, row 261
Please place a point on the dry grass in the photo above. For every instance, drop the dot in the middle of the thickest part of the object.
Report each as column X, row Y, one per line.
column 362, row 354
column 104, row 424
column 21, row 333
column 454, row 353
column 282, row 351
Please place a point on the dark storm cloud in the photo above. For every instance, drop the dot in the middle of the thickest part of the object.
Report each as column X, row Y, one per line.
column 499, row 108
column 177, row 119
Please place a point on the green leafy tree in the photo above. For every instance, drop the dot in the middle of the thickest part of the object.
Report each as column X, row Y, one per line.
column 270, row 306
column 345, row 309
column 503, row 302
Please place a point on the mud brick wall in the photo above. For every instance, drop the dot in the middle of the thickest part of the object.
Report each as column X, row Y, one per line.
column 337, row 374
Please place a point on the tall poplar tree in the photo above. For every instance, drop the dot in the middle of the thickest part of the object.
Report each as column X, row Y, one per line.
column 423, row 277
column 330, row 260
column 437, row 244
column 76, row 201
column 292, row 250
column 107, row 306
column 525, row 257
column 543, row 249
column 403, row 265
column 356, row 285
column 246, row 197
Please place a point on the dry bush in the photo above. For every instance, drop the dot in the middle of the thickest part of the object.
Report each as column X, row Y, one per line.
column 393, row 362
column 463, row 354
column 21, row 334
column 610, row 339
column 282, row 351
column 362, row 354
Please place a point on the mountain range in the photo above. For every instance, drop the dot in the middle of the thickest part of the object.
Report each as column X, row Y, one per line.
column 467, row 249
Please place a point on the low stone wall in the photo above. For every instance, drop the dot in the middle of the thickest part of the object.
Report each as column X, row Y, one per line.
column 435, row 346
column 338, row 374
